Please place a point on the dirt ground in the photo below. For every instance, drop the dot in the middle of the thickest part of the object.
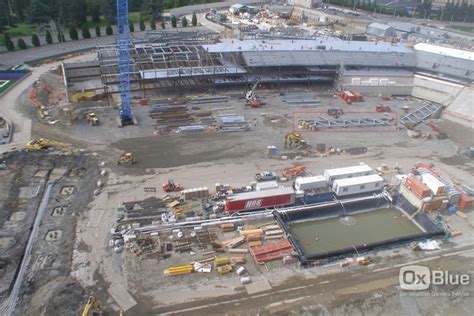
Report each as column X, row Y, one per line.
column 195, row 160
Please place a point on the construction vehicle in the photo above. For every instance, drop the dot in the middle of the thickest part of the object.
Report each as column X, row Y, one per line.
column 92, row 119
column 295, row 139
column 42, row 143
column 92, row 307
column 126, row 159
column 252, row 98
column 171, row 186
column 382, row 108
column 266, row 176
column 335, row 112
column 294, row 171
column 224, row 269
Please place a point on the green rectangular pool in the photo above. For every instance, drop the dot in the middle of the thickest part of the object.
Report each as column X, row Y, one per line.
column 324, row 235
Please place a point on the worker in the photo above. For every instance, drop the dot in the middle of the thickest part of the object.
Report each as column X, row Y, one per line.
column 255, row 122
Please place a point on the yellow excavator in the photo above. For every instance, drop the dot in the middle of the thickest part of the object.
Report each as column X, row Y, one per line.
column 42, row 143
column 126, row 159
column 295, row 139
column 92, row 307
column 92, row 119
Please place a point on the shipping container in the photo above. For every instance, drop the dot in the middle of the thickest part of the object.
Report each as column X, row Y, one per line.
column 357, row 96
column 358, row 185
column 347, row 172
column 309, row 183
column 466, row 201
column 417, row 187
column 318, row 196
column 266, row 185
column 435, row 185
column 259, row 199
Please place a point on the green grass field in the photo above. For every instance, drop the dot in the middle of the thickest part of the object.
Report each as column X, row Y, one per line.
column 469, row 29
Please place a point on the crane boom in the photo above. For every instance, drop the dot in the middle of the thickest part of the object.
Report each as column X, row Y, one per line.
column 123, row 46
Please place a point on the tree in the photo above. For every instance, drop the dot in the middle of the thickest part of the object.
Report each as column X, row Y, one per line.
column 173, row 21
column 151, row 9
column 109, row 30
column 35, row 40
column 194, row 20
column 21, row 43
column 152, row 24
column 163, row 24
column 8, row 42
column 73, row 33
column 20, row 7
column 95, row 13
column 97, row 31
column 109, row 10
column 48, row 37
column 72, row 13
column 85, row 32
column 131, row 26
column 142, row 25
column 184, row 21
column 38, row 11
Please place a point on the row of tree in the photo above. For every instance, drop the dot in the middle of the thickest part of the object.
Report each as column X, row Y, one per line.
column 75, row 12
column 85, row 32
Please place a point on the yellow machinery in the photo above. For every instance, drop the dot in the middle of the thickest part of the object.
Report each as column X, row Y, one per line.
column 92, row 119
column 41, row 143
column 126, row 159
column 296, row 139
column 224, row 269
column 92, row 307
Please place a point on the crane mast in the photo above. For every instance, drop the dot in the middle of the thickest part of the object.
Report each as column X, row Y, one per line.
column 123, row 46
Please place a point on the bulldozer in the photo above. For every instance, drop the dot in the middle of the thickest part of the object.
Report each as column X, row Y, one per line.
column 126, row 159
column 42, row 143
column 296, row 139
column 92, row 119
column 171, row 186
column 92, row 307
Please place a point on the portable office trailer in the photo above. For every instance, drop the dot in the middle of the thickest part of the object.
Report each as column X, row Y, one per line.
column 310, row 183
column 347, row 172
column 357, row 185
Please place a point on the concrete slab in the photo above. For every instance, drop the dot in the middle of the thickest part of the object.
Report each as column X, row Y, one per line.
column 29, row 192
column 122, row 297
column 257, row 286
column 17, row 216
column 41, row 173
column 57, row 173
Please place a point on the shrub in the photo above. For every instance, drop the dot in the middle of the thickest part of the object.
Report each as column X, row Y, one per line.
column 142, row 25
column 109, row 30
column 73, row 34
column 97, row 31
column 21, row 43
column 35, row 40
column 48, row 37
column 85, row 32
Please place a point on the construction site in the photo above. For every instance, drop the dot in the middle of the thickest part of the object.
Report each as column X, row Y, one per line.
column 245, row 171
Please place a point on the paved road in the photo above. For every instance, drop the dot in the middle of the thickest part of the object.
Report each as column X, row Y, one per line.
column 346, row 283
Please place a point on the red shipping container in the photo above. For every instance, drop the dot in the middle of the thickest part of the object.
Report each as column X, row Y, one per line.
column 259, row 199
column 358, row 97
column 466, row 201
column 417, row 187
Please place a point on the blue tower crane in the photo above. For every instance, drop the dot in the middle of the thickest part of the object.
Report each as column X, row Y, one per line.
column 123, row 45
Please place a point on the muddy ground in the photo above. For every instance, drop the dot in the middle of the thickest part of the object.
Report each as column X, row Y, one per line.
column 60, row 284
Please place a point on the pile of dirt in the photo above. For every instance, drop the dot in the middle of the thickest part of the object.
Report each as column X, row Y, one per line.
column 60, row 296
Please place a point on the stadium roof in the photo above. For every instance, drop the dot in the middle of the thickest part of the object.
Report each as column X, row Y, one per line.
column 445, row 51
column 318, row 44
